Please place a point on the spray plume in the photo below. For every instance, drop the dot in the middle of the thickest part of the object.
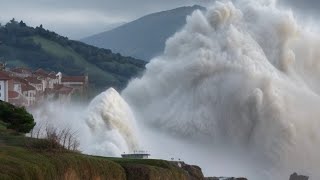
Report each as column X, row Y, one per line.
column 106, row 127
column 236, row 91
column 241, row 76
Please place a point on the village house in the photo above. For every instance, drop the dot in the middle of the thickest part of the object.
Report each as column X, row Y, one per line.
column 21, row 72
column 23, row 87
column 15, row 93
column 15, row 84
column 4, row 78
column 78, row 83
column 30, row 93
column 17, row 99
column 48, row 79
column 56, row 79
column 59, row 93
column 35, row 82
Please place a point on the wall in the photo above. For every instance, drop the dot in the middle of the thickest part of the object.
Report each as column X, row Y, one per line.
column 4, row 90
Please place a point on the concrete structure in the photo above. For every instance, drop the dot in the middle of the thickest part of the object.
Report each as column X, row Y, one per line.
column 136, row 155
column 4, row 92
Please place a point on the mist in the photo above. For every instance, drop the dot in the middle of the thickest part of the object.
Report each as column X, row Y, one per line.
column 105, row 127
column 236, row 92
column 240, row 78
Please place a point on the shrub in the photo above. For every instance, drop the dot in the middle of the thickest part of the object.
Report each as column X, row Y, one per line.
column 54, row 139
column 16, row 118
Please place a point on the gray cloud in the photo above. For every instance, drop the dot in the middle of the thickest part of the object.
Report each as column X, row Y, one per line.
column 306, row 6
column 79, row 18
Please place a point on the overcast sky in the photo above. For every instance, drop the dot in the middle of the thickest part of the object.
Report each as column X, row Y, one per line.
column 80, row 18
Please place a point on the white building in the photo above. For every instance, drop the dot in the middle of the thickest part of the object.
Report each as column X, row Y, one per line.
column 136, row 155
column 29, row 92
column 4, row 78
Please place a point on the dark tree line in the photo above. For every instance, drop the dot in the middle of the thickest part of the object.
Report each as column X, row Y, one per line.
column 17, row 45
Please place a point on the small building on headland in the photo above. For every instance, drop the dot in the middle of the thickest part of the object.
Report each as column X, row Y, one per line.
column 136, row 155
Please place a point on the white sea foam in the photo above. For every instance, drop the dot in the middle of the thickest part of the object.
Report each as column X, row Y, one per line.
column 106, row 127
column 241, row 76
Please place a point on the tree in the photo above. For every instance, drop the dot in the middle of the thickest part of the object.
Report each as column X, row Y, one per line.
column 16, row 118
column 22, row 24
column 13, row 21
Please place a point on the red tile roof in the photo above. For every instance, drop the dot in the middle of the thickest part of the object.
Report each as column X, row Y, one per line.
column 13, row 94
column 43, row 73
column 63, row 89
column 20, row 80
column 21, row 70
column 52, row 75
column 4, row 76
column 33, row 80
column 19, row 101
column 27, row 87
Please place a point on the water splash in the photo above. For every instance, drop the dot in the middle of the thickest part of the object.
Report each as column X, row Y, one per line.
column 106, row 127
column 111, row 123
column 241, row 76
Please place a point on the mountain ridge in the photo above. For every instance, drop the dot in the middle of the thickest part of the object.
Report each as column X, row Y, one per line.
column 145, row 37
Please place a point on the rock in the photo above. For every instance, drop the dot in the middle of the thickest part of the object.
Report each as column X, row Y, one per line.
column 224, row 178
column 195, row 172
column 295, row 176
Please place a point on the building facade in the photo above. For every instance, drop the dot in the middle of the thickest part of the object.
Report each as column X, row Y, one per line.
column 24, row 87
column 4, row 78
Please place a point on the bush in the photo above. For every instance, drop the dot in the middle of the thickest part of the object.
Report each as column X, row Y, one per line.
column 53, row 139
column 16, row 118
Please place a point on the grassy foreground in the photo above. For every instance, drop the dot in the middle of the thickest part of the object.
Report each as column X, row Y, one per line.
column 19, row 161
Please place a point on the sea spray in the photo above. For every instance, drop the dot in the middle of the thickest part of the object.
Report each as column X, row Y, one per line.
column 111, row 123
column 106, row 127
column 244, row 77
column 236, row 92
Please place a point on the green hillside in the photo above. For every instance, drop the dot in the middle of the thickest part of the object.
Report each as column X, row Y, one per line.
column 19, row 160
column 21, row 45
column 24, row 157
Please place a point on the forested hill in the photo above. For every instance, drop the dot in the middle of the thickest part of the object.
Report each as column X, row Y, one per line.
column 21, row 45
